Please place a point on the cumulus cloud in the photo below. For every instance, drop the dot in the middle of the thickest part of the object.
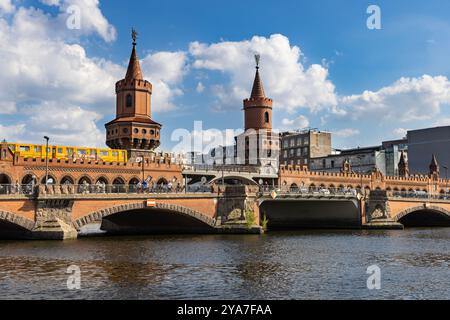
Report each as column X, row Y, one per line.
column 10, row 133
column 166, row 71
column 408, row 99
column 6, row 6
column 300, row 122
column 286, row 79
column 347, row 133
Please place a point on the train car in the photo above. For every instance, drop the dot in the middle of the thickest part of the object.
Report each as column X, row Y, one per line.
column 34, row 151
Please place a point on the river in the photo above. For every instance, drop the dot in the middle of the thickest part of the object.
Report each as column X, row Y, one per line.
column 280, row 265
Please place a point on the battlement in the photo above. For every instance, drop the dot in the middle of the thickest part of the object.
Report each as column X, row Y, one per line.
column 133, row 85
column 258, row 102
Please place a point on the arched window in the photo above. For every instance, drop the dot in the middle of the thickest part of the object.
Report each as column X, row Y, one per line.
column 266, row 117
column 129, row 101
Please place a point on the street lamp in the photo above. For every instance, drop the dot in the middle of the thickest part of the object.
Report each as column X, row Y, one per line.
column 46, row 159
column 446, row 180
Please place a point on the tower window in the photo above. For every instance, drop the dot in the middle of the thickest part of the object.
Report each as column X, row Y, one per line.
column 266, row 117
column 129, row 101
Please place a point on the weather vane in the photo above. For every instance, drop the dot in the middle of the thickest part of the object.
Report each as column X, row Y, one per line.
column 134, row 35
column 257, row 59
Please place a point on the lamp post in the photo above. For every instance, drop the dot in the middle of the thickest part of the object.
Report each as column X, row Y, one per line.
column 46, row 159
column 446, row 181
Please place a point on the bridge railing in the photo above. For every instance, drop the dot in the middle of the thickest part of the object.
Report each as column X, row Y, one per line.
column 418, row 195
column 30, row 190
column 310, row 191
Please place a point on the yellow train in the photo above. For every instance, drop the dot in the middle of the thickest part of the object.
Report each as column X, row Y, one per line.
column 35, row 151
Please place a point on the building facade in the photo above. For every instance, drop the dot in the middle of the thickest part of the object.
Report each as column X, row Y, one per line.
column 300, row 147
column 422, row 143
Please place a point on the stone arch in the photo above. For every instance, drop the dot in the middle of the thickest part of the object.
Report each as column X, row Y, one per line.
column 14, row 219
column 5, row 179
column 294, row 188
column 102, row 179
column 408, row 211
column 67, row 180
column 85, row 178
column 134, row 181
column 97, row 216
column 28, row 179
column 50, row 178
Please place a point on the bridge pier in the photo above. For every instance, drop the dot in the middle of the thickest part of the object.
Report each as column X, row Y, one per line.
column 377, row 212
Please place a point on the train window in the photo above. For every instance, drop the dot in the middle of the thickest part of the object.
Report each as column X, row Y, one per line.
column 123, row 155
column 37, row 149
column 104, row 153
column 60, row 150
column 115, row 154
column 24, row 148
column 81, row 152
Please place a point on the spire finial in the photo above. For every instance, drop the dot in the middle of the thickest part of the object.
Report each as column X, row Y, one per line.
column 134, row 35
column 257, row 59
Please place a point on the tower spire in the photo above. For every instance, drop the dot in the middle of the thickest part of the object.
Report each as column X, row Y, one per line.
column 258, row 88
column 134, row 71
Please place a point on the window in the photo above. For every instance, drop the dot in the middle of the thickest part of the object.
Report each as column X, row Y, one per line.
column 125, row 130
column 136, row 131
column 333, row 164
column 285, row 153
column 305, row 152
column 266, row 117
column 324, row 163
column 306, row 161
column 286, row 144
column 292, row 153
column 306, row 141
column 129, row 101
column 60, row 150
column 299, row 142
column 24, row 148
column 299, row 162
column 299, row 152
column 292, row 143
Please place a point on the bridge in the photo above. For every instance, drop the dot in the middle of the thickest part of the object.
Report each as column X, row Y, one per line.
column 63, row 213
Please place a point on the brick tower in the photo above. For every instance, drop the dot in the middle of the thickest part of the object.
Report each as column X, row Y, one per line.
column 258, row 108
column 133, row 129
column 259, row 142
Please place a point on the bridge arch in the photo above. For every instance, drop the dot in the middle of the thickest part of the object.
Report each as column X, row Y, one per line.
column 424, row 216
column 98, row 216
column 12, row 224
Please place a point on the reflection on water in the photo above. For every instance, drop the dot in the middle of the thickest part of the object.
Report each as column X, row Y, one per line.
column 287, row 265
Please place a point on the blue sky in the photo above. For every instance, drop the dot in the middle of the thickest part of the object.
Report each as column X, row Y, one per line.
column 321, row 64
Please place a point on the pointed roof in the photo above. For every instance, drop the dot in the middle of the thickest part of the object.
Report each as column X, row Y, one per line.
column 134, row 71
column 434, row 162
column 258, row 89
column 402, row 159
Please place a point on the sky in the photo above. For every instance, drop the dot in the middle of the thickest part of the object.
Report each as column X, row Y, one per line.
column 320, row 63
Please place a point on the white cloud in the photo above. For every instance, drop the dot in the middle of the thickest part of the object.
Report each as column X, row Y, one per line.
column 6, row 6
column 346, row 133
column 200, row 88
column 400, row 132
column 10, row 133
column 166, row 71
column 408, row 99
column 286, row 79
column 298, row 123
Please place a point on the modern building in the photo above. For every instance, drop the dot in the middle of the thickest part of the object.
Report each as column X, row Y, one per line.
column 361, row 160
column 393, row 151
column 424, row 143
column 300, row 147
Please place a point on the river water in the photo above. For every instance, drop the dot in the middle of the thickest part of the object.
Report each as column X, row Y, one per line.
column 415, row 264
